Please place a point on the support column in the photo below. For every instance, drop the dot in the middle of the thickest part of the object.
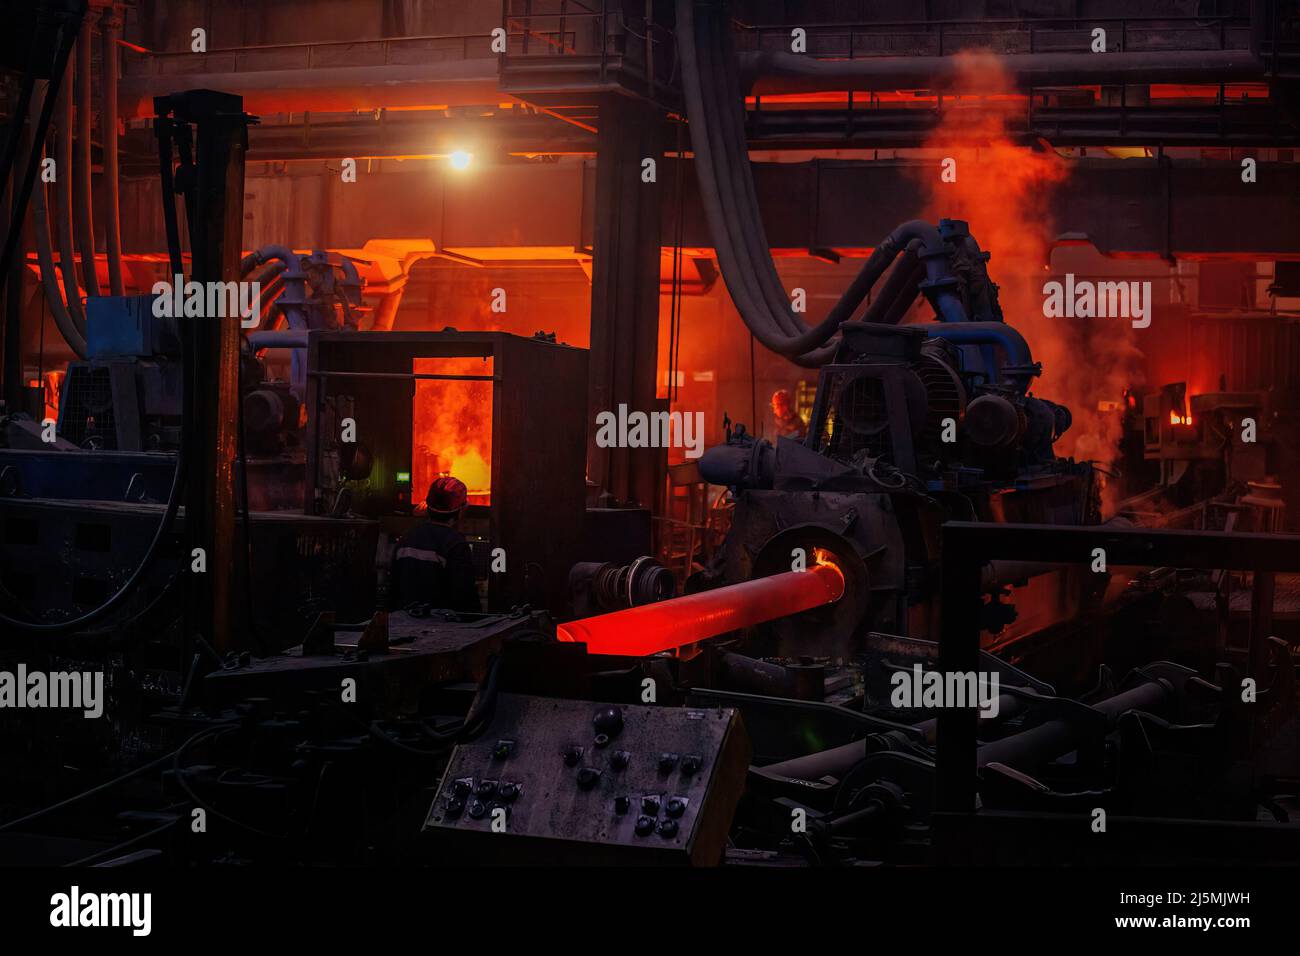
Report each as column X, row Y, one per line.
column 625, row 293
column 215, row 213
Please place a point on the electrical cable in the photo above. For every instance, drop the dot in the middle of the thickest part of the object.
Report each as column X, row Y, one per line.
column 125, row 845
column 101, row 788
column 178, row 772
column 479, row 715
column 151, row 554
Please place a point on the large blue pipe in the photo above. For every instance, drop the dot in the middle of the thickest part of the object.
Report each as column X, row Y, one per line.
column 1019, row 367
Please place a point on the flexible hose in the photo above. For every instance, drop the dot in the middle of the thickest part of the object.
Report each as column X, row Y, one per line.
column 774, row 330
column 22, row 192
column 63, row 211
column 112, row 28
column 715, row 109
column 49, row 278
column 900, row 289
column 85, row 226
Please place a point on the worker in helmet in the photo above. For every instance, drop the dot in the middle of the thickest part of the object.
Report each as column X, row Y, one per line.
column 432, row 566
column 788, row 422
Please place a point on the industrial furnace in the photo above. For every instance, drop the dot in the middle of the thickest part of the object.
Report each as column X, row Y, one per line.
column 978, row 546
column 387, row 392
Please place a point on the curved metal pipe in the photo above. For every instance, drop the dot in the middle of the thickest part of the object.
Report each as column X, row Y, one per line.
column 110, row 31
column 1020, row 367
column 85, row 227
column 294, row 298
column 351, row 280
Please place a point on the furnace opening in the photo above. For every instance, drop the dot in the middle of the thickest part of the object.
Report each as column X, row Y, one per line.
column 451, row 431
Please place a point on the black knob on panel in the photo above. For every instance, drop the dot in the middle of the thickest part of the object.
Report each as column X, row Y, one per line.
column 588, row 777
column 477, row 809
column 650, row 806
column 485, row 788
column 675, row 806
column 666, row 762
column 508, row 792
column 455, row 806
column 644, row 826
column 461, row 788
column 608, row 720
column 619, row 759
column 667, row 829
column 622, row 805
column 572, row 755
column 692, row 763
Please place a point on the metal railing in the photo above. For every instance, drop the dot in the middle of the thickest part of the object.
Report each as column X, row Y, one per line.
column 1005, row 34
column 576, row 29
column 384, row 51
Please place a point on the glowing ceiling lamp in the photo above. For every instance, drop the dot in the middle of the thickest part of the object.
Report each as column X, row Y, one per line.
column 460, row 159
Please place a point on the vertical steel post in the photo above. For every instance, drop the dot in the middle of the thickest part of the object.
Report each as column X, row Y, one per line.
column 216, row 219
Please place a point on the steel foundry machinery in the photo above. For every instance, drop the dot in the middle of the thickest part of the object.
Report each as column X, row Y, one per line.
column 594, row 715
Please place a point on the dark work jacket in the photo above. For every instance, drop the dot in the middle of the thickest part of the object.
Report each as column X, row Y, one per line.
column 433, row 566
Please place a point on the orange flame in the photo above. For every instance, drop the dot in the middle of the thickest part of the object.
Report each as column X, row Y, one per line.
column 452, row 427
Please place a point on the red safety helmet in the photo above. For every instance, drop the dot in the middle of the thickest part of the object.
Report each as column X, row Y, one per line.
column 447, row 495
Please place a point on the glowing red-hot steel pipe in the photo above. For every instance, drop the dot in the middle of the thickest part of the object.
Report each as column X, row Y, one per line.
column 665, row 625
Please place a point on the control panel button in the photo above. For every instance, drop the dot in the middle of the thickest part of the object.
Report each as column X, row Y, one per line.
column 675, row 806
column 644, row 826
column 477, row 809
column 462, row 787
column 666, row 762
column 572, row 755
column 485, row 788
column 692, row 763
column 608, row 720
column 508, row 792
column 650, row 805
column 619, row 759
column 455, row 807
column 588, row 777
column 602, row 740
column 622, row 805
column 667, row 829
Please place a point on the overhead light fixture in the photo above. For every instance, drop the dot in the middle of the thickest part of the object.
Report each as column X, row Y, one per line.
column 460, row 159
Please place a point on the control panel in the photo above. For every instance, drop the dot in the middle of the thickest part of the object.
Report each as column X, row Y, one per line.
column 570, row 781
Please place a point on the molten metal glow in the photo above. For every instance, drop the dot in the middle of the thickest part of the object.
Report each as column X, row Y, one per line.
column 652, row 628
column 452, row 427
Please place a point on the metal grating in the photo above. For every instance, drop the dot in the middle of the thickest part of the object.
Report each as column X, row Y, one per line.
column 857, row 420
column 87, row 416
